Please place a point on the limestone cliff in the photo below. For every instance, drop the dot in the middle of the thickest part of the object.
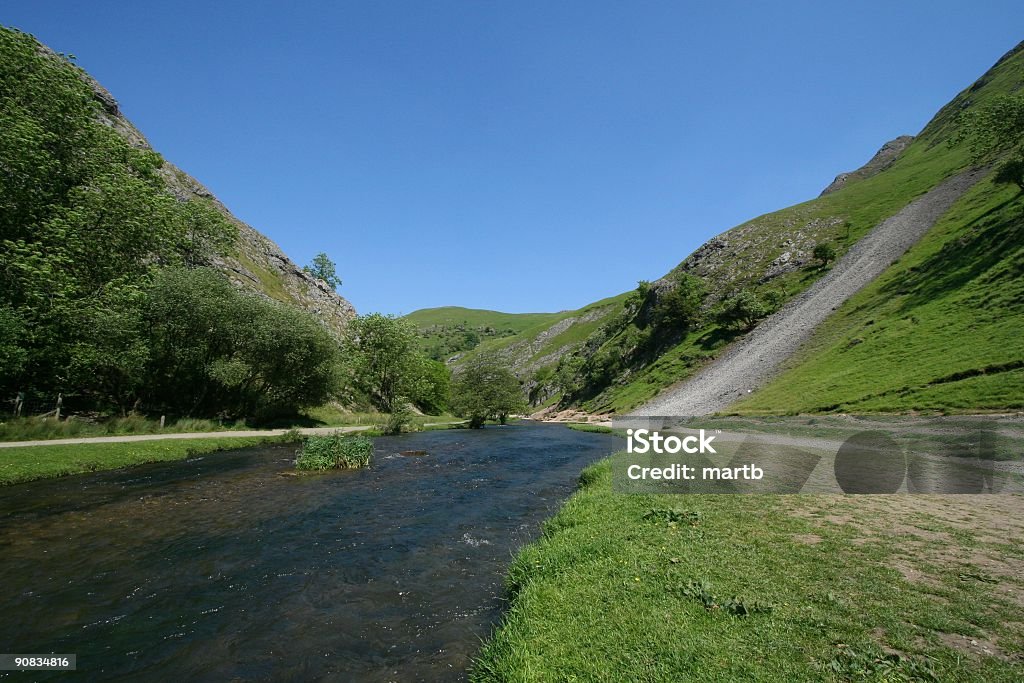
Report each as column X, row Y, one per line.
column 255, row 262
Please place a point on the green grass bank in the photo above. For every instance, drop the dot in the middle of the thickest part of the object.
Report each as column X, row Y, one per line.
column 43, row 462
column 764, row 588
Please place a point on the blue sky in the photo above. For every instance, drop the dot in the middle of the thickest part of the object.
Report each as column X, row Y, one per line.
column 520, row 156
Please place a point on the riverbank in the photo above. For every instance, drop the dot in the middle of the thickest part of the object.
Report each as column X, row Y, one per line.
column 767, row 588
column 22, row 461
column 29, row 463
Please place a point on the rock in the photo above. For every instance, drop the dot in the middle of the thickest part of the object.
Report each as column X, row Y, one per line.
column 882, row 160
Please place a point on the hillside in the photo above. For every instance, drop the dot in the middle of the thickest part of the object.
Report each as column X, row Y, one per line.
column 450, row 330
column 252, row 261
column 625, row 357
column 113, row 295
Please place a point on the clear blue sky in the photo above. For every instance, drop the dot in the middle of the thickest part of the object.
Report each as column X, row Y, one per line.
column 519, row 155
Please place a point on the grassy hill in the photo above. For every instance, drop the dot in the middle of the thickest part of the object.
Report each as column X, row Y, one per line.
column 940, row 330
column 960, row 285
column 450, row 330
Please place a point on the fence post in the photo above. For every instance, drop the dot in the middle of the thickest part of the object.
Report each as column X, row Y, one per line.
column 162, row 421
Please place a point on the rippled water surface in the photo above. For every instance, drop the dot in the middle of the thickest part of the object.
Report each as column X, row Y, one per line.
column 221, row 568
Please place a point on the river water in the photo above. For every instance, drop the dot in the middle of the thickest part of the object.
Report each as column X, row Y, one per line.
column 221, row 568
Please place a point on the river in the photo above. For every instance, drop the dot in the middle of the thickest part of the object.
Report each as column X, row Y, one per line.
column 221, row 568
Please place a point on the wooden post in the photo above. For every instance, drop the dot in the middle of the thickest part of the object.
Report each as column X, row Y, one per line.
column 60, row 402
column 162, row 421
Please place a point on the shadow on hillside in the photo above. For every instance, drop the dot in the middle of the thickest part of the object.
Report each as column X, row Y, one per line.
column 985, row 249
column 717, row 337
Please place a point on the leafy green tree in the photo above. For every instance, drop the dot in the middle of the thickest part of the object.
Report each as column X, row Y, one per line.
column 215, row 350
column 12, row 352
column 679, row 305
column 85, row 221
column 433, row 390
column 384, row 356
column 825, row 253
column 109, row 361
column 742, row 311
column 486, row 389
column 1011, row 171
column 324, row 268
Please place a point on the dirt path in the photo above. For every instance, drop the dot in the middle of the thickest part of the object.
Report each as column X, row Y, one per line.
column 757, row 357
column 305, row 431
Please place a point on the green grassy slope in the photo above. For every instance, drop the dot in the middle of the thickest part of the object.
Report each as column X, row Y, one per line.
column 940, row 330
column 759, row 588
column 475, row 317
column 449, row 330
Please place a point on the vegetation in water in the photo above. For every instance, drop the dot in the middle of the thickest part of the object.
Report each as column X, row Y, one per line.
column 335, row 451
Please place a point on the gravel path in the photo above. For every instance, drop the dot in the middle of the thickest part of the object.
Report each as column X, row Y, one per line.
column 226, row 434
column 754, row 359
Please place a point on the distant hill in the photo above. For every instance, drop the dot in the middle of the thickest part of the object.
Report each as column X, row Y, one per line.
column 450, row 330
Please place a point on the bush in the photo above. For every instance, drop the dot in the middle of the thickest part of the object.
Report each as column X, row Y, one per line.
column 399, row 420
column 335, row 451
column 742, row 311
column 1011, row 171
column 825, row 253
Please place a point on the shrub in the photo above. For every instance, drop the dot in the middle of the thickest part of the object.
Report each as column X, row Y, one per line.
column 825, row 253
column 742, row 311
column 1011, row 171
column 399, row 420
column 335, row 451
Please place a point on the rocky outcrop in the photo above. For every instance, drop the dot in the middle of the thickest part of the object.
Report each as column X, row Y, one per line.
column 882, row 160
column 255, row 263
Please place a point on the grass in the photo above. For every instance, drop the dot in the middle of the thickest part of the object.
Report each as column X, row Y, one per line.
column 759, row 588
column 37, row 429
column 472, row 318
column 444, row 332
column 939, row 331
column 586, row 427
column 42, row 462
column 334, row 451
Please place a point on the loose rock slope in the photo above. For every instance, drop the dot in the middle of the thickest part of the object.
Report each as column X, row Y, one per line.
column 750, row 362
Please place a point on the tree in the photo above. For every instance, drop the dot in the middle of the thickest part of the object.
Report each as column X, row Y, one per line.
column 678, row 306
column 214, row 350
column 384, row 357
column 433, row 387
column 742, row 310
column 486, row 389
column 323, row 268
column 1011, row 171
column 825, row 253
